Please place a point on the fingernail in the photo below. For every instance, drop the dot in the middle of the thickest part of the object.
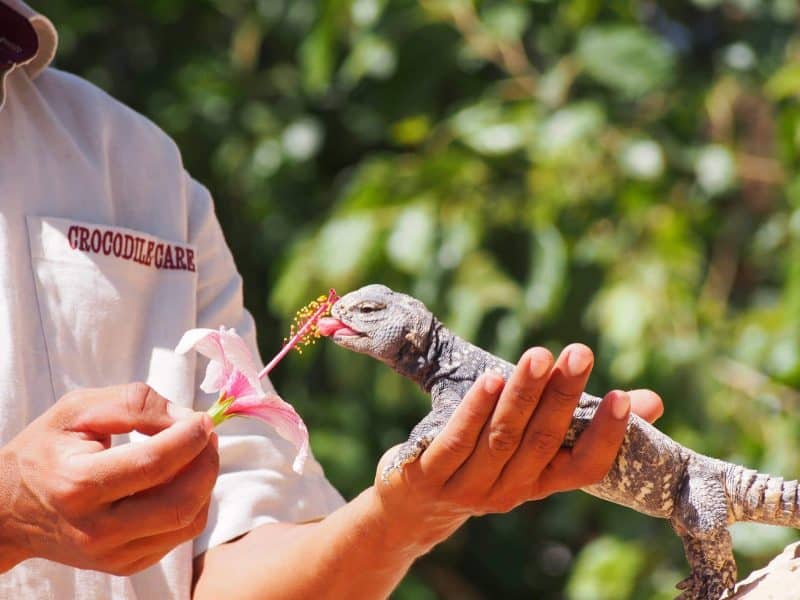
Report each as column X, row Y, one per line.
column 178, row 412
column 492, row 383
column 578, row 361
column 538, row 367
column 620, row 405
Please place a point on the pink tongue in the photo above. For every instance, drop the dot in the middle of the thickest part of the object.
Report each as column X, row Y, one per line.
column 328, row 326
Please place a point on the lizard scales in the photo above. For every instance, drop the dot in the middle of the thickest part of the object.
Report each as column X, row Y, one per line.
column 652, row 474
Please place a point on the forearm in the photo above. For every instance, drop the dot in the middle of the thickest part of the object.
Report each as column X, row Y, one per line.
column 356, row 552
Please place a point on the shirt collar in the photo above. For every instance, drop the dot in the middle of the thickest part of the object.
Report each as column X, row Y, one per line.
column 46, row 33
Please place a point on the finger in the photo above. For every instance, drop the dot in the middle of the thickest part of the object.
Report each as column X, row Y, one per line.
column 141, row 564
column 553, row 415
column 501, row 438
column 455, row 443
column 124, row 470
column 173, row 506
column 123, row 408
column 647, row 404
column 143, row 552
column 593, row 453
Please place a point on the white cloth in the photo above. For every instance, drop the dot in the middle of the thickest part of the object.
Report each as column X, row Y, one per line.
column 109, row 251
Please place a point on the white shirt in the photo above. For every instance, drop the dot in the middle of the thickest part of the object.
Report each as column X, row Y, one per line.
column 109, row 251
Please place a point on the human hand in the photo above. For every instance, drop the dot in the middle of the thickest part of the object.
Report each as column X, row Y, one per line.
column 67, row 496
column 502, row 447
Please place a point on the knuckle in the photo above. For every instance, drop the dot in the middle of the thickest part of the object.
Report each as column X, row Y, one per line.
column 185, row 511
column 136, row 397
column 563, row 397
column 90, row 543
column 196, row 434
column 521, row 396
column 457, row 444
column 82, row 478
column 67, row 492
column 473, row 416
column 503, row 505
column 70, row 399
column 199, row 524
column 503, row 438
column 544, row 442
column 467, row 501
column 123, row 569
column 146, row 466
column 68, row 408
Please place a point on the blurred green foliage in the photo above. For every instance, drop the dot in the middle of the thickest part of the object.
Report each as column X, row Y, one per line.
column 539, row 172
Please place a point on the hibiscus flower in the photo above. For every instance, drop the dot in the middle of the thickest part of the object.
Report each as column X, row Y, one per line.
column 235, row 375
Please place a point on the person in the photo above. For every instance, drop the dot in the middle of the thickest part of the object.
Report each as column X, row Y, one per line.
column 109, row 251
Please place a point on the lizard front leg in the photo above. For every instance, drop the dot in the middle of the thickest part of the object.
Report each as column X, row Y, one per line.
column 701, row 519
column 424, row 432
column 713, row 566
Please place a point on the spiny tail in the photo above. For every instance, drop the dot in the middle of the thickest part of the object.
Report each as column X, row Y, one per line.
column 761, row 497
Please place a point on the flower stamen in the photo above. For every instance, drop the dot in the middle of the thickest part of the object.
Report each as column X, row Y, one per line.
column 305, row 329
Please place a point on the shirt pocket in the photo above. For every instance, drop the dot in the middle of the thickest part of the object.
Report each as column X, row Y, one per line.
column 113, row 304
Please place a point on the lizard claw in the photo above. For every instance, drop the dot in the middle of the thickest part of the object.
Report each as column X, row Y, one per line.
column 698, row 587
column 396, row 465
column 408, row 453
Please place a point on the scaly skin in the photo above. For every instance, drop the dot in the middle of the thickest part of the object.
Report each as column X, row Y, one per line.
column 652, row 474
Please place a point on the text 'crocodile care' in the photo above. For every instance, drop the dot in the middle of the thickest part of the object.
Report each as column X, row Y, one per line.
column 131, row 247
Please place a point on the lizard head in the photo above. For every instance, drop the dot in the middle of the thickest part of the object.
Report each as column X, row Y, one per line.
column 380, row 322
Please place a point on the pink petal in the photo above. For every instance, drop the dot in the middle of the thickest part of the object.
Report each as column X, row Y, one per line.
column 279, row 414
column 238, row 355
column 204, row 341
column 215, row 378
column 239, row 386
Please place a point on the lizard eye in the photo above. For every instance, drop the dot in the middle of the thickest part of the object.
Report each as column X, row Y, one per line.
column 369, row 307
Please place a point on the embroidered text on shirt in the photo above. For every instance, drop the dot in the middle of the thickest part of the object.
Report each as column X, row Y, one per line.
column 131, row 247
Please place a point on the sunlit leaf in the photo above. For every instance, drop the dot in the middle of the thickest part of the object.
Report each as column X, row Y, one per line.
column 629, row 60
column 606, row 569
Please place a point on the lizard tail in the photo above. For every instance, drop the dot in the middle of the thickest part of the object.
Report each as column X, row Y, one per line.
column 762, row 498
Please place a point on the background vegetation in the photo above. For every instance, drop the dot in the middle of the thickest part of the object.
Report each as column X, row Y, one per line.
column 539, row 172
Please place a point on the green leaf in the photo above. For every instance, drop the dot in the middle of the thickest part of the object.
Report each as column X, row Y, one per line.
column 506, row 21
column 606, row 569
column 410, row 243
column 547, row 276
column 495, row 129
column 344, row 245
column 480, row 286
column 785, row 82
column 371, row 56
column 572, row 125
column 629, row 60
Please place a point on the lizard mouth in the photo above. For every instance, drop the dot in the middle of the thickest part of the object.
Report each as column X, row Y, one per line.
column 330, row 327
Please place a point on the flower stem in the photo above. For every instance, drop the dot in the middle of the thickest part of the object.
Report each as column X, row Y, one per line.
column 302, row 331
column 218, row 410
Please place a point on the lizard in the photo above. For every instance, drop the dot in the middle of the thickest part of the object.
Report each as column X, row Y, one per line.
column 652, row 473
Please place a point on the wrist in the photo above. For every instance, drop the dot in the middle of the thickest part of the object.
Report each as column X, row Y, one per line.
column 13, row 547
column 410, row 530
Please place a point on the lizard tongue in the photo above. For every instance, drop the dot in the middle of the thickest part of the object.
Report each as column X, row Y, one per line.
column 329, row 326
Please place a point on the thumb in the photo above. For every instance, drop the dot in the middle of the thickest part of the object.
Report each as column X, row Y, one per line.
column 124, row 408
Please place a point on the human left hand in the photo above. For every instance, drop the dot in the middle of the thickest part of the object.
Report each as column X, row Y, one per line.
column 502, row 447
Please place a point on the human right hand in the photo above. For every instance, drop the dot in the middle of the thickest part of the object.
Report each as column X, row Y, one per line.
column 68, row 496
column 502, row 447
